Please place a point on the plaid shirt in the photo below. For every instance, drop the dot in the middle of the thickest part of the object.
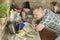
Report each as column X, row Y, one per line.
column 51, row 21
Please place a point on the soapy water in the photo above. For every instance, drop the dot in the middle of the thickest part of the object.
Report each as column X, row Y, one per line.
column 31, row 34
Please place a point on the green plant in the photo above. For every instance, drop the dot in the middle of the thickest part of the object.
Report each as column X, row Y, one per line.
column 3, row 9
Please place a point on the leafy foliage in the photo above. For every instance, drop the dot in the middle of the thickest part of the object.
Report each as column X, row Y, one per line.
column 3, row 9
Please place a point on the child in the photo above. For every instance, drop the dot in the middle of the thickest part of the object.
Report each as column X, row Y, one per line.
column 48, row 20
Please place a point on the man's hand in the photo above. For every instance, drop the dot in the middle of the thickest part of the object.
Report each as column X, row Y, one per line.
column 39, row 27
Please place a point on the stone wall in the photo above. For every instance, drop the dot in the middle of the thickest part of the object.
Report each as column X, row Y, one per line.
column 44, row 3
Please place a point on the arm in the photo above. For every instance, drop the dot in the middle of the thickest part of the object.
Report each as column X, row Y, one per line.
column 24, row 16
column 39, row 27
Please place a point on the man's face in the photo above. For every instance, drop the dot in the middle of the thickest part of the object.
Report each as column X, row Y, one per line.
column 38, row 13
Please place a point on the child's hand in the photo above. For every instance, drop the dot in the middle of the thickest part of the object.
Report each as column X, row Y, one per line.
column 34, row 23
column 39, row 27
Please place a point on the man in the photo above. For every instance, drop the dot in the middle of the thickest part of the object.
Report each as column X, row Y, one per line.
column 48, row 20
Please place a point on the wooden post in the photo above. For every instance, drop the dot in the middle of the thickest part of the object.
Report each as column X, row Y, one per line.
column 3, row 20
